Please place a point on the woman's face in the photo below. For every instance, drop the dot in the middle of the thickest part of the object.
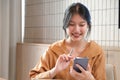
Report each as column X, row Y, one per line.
column 77, row 28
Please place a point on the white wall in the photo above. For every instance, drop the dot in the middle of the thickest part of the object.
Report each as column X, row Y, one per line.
column 10, row 34
column 15, row 35
column 4, row 38
column 0, row 37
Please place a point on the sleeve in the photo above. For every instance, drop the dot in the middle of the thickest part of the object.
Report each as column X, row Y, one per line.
column 41, row 70
column 99, row 71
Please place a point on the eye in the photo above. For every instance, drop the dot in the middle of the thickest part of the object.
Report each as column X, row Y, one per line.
column 82, row 25
column 71, row 24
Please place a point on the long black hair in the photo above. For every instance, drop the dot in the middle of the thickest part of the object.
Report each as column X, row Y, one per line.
column 79, row 9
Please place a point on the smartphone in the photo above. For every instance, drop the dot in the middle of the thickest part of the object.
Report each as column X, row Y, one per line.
column 83, row 62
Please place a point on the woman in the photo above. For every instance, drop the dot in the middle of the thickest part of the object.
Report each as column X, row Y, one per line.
column 57, row 63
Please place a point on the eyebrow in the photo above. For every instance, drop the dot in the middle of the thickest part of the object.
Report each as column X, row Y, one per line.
column 74, row 22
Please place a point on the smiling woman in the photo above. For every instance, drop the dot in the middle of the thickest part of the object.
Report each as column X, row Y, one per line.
column 56, row 62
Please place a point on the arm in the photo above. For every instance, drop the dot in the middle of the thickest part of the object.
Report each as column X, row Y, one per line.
column 99, row 67
column 41, row 70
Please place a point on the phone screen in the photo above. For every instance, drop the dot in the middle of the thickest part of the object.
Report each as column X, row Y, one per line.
column 83, row 62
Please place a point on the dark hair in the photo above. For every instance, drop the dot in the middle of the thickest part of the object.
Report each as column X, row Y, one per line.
column 79, row 9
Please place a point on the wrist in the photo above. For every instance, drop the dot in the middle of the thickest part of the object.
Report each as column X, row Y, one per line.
column 92, row 78
column 53, row 72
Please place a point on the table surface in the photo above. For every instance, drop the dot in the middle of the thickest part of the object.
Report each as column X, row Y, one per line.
column 2, row 78
column 47, row 79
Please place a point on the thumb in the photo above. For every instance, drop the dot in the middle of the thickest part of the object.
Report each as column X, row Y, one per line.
column 89, row 68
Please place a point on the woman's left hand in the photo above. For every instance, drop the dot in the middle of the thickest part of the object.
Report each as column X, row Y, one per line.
column 84, row 75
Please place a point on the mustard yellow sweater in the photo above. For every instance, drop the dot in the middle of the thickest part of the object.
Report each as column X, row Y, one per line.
column 47, row 61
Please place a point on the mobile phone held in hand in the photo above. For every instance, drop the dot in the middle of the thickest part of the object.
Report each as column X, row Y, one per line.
column 83, row 62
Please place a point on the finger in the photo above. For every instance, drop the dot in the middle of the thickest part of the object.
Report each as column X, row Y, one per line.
column 67, row 58
column 62, row 58
column 75, row 73
column 89, row 68
column 71, row 72
column 82, row 70
column 70, row 57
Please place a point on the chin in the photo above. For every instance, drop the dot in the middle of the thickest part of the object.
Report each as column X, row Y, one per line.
column 73, row 38
column 77, row 39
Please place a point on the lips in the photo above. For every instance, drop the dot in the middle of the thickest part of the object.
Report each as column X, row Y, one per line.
column 76, row 35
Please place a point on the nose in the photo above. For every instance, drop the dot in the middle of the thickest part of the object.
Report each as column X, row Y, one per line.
column 77, row 28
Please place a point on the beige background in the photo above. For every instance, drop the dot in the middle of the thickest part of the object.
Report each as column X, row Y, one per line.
column 43, row 16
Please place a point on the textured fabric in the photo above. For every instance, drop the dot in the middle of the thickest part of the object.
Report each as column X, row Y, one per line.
column 47, row 61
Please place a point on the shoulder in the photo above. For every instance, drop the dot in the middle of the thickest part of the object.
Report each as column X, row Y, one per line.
column 57, row 44
column 57, row 47
column 93, row 44
column 53, row 49
column 94, row 49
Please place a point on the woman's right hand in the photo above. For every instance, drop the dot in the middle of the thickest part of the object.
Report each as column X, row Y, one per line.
column 62, row 63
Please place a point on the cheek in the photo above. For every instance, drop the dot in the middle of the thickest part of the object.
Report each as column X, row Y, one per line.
column 84, row 29
column 69, row 29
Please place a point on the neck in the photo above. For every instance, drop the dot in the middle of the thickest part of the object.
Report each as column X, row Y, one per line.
column 76, row 44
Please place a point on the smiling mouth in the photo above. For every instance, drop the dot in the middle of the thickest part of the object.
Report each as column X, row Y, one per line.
column 76, row 35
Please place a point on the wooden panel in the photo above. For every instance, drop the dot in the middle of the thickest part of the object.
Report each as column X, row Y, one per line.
column 19, row 62
column 2, row 79
column 27, row 57
column 114, row 58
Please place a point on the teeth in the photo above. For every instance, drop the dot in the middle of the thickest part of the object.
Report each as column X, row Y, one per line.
column 76, row 34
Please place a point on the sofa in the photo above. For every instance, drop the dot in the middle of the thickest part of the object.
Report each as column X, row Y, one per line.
column 28, row 54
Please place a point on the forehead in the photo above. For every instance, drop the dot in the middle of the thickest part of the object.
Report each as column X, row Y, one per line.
column 77, row 18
